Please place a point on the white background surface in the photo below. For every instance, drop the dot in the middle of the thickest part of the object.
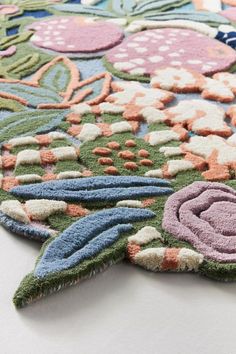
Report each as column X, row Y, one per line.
column 123, row 310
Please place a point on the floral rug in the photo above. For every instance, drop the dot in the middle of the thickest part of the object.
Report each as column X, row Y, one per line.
column 118, row 138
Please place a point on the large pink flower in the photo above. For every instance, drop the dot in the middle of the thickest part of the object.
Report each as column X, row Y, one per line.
column 204, row 214
column 76, row 35
column 144, row 52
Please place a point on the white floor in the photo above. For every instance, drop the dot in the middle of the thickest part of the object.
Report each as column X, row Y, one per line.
column 124, row 310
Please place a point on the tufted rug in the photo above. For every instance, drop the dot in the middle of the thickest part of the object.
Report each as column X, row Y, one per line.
column 117, row 136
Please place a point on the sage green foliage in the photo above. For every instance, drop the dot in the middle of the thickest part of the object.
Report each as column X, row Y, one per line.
column 111, row 118
column 70, row 165
column 64, row 126
column 25, row 61
column 5, row 195
column 28, row 122
column 23, row 64
column 28, row 5
column 59, row 143
column 11, row 105
column 28, row 169
column 14, row 39
column 16, row 149
column 61, row 221
column 218, row 271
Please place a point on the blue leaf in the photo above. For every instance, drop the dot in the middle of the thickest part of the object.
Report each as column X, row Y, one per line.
column 123, row 7
column 96, row 189
column 129, row 6
column 80, row 242
column 22, row 229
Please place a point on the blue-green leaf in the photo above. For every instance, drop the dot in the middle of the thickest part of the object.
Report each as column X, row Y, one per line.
column 83, row 10
column 158, row 5
column 56, row 78
column 206, row 17
column 33, row 96
column 129, row 6
column 123, row 7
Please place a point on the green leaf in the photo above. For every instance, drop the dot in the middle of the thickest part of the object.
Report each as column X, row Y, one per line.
column 23, row 64
column 30, row 5
column 11, row 105
column 36, row 59
column 85, row 10
column 14, row 39
column 30, row 122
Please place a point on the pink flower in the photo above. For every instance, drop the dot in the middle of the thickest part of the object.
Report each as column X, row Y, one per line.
column 8, row 9
column 76, row 35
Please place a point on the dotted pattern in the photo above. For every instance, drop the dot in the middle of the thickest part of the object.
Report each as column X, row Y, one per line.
column 144, row 52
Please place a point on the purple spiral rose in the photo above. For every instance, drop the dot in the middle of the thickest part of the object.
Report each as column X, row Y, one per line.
column 204, row 214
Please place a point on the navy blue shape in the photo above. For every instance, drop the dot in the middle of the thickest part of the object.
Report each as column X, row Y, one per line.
column 228, row 38
column 35, row 14
column 13, row 30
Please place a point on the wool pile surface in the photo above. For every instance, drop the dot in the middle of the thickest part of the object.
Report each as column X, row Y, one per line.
column 117, row 136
